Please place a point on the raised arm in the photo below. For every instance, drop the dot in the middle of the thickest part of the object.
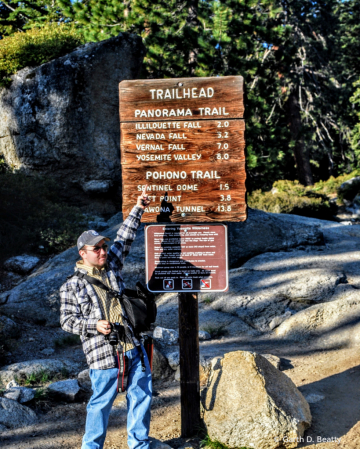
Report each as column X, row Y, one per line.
column 127, row 231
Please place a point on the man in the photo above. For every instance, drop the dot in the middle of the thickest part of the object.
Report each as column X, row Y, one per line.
column 88, row 310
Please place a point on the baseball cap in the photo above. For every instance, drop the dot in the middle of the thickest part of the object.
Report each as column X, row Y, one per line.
column 90, row 238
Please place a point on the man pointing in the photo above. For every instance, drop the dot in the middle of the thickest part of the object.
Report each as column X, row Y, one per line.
column 88, row 310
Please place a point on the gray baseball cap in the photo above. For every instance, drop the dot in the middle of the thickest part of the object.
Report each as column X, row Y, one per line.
column 90, row 238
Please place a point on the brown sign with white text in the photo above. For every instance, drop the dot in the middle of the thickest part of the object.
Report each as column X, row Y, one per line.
column 184, row 138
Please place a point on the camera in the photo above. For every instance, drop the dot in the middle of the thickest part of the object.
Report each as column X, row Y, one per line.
column 116, row 334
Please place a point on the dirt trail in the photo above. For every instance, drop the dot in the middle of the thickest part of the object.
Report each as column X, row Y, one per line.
column 331, row 376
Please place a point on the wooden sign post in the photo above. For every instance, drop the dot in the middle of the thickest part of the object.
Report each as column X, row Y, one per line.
column 184, row 139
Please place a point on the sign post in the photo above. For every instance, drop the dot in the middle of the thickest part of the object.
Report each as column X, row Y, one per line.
column 187, row 259
column 189, row 364
column 184, row 139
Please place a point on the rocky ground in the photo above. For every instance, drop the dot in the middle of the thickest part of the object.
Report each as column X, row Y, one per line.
column 329, row 380
column 301, row 305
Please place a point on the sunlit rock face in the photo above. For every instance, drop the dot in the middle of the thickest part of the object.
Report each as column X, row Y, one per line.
column 62, row 119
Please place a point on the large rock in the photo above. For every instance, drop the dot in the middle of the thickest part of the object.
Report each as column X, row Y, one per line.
column 160, row 368
column 20, row 394
column 264, row 299
column 23, row 370
column 62, row 119
column 354, row 208
column 165, row 336
column 174, row 359
column 340, row 316
column 349, row 189
column 263, row 232
column 337, row 236
column 249, row 403
column 21, row 264
column 65, row 390
column 14, row 415
column 209, row 319
column 37, row 298
column 8, row 328
column 84, row 379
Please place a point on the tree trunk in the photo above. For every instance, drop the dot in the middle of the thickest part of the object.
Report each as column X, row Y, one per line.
column 193, row 23
column 300, row 152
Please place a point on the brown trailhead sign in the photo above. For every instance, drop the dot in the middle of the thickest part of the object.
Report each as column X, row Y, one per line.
column 184, row 138
column 182, row 258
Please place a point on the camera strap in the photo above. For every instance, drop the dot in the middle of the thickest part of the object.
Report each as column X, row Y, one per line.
column 126, row 323
column 123, row 372
column 96, row 282
column 101, row 285
column 148, row 343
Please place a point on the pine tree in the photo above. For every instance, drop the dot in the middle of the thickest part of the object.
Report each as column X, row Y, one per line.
column 246, row 35
column 200, row 38
column 310, row 84
column 171, row 30
column 348, row 43
column 297, row 57
column 355, row 135
column 19, row 16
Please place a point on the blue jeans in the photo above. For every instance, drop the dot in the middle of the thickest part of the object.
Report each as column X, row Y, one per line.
column 138, row 398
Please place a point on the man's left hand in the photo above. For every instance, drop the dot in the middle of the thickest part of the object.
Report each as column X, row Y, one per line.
column 143, row 200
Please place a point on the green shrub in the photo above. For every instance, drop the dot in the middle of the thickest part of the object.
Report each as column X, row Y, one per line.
column 40, row 394
column 32, row 215
column 331, row 186
column 207, row 300
column 41, row 377
column 207, row 442
column 35, row 47
column 290, row 197
column 215, row 331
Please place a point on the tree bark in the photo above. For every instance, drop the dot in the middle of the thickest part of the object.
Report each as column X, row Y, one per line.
column 300, row 152
column 192, row 23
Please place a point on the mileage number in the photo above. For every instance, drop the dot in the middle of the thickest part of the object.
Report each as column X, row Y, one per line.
column 223, row 124
column 223, row 208
column 225, row 197
column 224, row 156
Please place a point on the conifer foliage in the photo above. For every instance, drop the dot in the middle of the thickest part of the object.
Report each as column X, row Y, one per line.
column 299, row 59
column 18, row 16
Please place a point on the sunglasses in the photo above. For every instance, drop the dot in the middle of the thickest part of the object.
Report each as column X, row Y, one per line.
column 98, row 248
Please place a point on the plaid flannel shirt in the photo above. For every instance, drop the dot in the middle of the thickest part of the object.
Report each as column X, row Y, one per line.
column 79, row 304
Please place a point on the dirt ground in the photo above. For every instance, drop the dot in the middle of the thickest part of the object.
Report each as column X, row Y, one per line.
column 331, row 375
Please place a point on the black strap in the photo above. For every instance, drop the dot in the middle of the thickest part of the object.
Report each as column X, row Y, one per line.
column 123, row 359
column 148, row 343
column 142, row 358
column 96, row 282
column 99, row 284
